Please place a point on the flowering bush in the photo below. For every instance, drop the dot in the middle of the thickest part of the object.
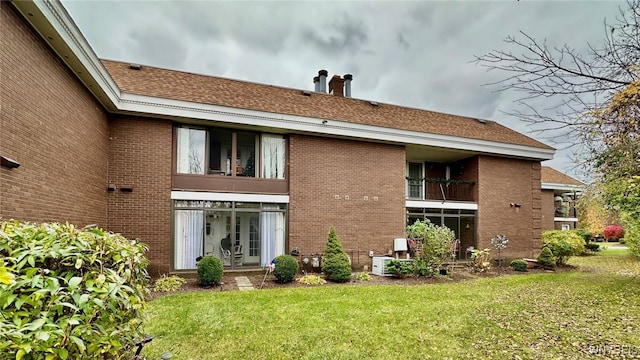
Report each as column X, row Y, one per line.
column 613, row 232
column 437, row 245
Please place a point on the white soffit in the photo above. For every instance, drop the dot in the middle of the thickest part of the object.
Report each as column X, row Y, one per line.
column 564, row 187
column 59, row 19
column 215, row 196
column 441, row 205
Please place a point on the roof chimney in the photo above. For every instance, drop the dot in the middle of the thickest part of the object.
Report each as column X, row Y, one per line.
column 316, row 83
column 322, row 76
column 347, row 84
column 336, row 86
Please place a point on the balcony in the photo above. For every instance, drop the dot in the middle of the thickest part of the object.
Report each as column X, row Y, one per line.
column 440, row 189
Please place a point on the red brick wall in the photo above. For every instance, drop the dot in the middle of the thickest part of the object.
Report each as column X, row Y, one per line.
column 53, row 127
column 502, row 182
column 548, row 210
column 140, row 156
column 322, row 168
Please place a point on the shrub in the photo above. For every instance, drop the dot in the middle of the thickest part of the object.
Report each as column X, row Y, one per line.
column 519, row 265
column 632, row 236
column 436, row 246
column 209, row 271
column 335, row 263
column 311, row 280
column 363, row 276
column 546, row 258
column 592, row 247
column 586, row 235
column 480, row 260
column 286, row 268
column 613, row 232
column 563, row 244
column 69, row 293
column 399, row 268
column 168, row 283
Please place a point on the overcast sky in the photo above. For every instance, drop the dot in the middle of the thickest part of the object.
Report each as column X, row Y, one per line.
column 415, row 54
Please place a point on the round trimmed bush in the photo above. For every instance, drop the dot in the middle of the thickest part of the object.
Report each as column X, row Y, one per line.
column 519, row 265
column 209, row 271
column 286, row 268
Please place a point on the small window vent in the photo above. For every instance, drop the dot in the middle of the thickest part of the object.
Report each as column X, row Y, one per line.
column 306, row 93
column 135, row 66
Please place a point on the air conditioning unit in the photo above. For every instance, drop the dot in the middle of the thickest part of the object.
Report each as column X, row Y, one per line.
column 379, row 266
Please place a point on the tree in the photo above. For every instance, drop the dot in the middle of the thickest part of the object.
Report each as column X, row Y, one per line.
column 596, row 96
column 335, row 263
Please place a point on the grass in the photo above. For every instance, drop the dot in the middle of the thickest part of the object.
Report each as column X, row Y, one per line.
column 565, row 315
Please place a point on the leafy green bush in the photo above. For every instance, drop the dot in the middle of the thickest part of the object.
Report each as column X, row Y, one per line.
column 209, row 271
column 586, row 235
column 335, row 264
column 286, row 268
column 563, row 244
column 546, row 258
column 399, row 268
column 592, row 247
column 168, row 283
column 519, row 265
column 437, row 245
column 69, row 293
column 632, row 236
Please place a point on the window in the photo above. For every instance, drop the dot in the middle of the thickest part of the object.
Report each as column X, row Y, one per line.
column 273, row 156
column 230, row 153
column 190, row 151
column 566, row 227
column 415, row 181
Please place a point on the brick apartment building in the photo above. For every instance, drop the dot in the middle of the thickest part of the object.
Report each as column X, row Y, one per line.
column 193, row 164
column 559, row 195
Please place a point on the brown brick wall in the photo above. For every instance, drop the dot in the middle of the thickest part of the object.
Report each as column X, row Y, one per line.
column 140, row 156
column 53, row 127
column 548, row 210
column 322, row 168
column 501, row 182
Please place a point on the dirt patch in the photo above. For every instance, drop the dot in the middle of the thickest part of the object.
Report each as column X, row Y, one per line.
column 228, row 282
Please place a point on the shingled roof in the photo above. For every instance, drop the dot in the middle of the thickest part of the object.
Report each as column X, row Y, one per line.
column 178, row 85
column 553, row 176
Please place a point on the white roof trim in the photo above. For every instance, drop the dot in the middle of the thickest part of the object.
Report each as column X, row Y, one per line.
column 441, row 205
column 62, row 22
column 564, row 187
column 567, row 219
column 216, row 196
column 143, row 104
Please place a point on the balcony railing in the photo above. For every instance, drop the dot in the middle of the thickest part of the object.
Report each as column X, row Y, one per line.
column 440, row 189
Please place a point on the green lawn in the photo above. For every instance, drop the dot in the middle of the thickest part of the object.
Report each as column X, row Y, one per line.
column 536, row 316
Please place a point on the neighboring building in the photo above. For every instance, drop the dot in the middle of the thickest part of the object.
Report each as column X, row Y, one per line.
column 559, row 195
column 193, row 164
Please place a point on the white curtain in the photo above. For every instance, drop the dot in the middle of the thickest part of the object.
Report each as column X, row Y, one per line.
column 190, row 152
column 189, row 233
column 272, row 233
column 273, row 156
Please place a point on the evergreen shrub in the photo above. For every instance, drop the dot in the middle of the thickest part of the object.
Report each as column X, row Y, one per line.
column 210, row 271
column 335, row 263
column 286, row 268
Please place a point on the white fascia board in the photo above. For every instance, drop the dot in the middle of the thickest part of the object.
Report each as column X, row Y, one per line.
column 66, row 28
column 216, row 196
column 177, row 108
column 563, row 219
column 441, row 205
column 563, row 187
